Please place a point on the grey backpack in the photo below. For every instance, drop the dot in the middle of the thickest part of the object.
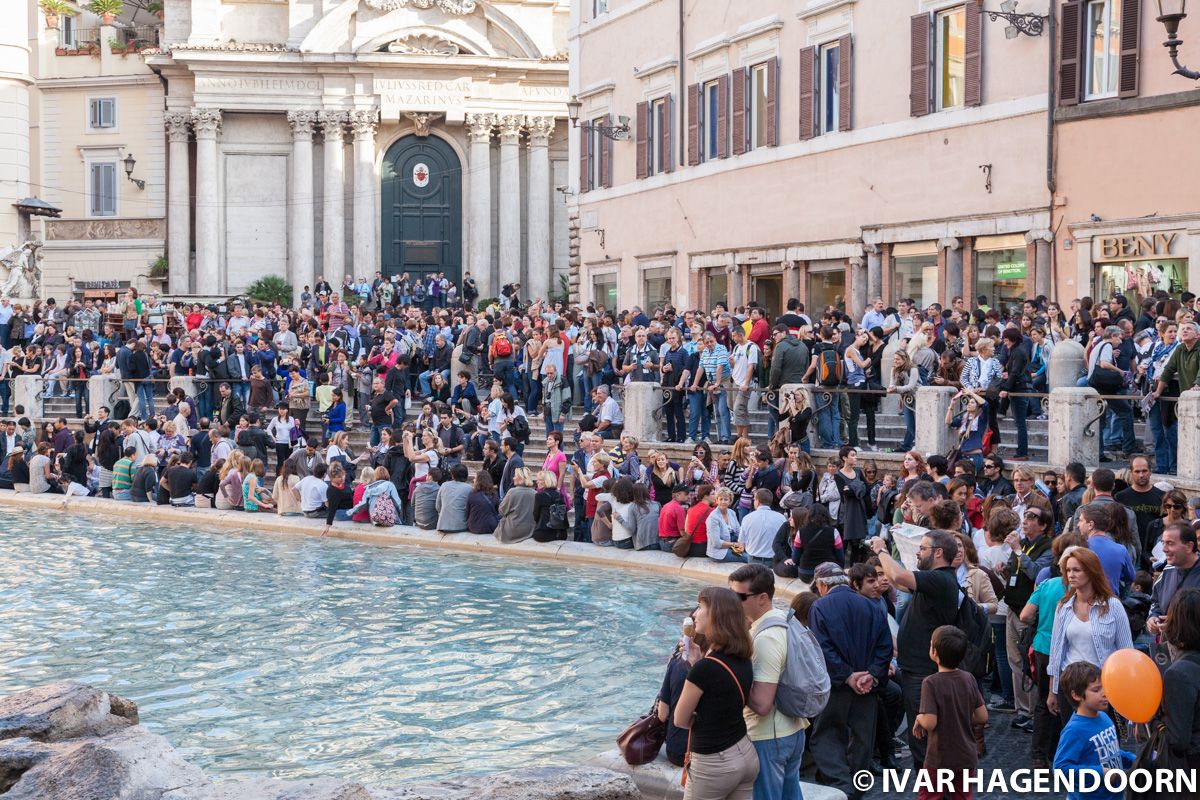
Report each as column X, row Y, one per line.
column 803, row 688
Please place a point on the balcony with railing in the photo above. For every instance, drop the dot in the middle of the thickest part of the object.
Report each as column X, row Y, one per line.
column 74, row 40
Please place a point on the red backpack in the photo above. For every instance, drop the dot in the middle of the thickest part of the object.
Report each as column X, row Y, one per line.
column 501, row 346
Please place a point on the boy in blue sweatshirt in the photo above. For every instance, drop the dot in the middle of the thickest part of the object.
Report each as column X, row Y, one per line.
column 1089, row 741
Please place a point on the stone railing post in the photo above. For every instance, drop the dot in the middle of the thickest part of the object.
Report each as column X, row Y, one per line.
column 1072, row 411
column 889, row 403
column 642, row 399
column 103, row 390
column 27, row 392
column 933, row 434
column 1188, row 412
column 189, row 385
column 1067, row 365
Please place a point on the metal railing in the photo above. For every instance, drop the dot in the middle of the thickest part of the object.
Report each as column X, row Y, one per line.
column 79, row 38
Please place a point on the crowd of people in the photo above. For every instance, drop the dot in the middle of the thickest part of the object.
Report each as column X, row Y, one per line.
column 1059, row 569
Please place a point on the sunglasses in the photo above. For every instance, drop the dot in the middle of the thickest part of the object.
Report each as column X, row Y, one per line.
column 1176, row 506
column 744, row 596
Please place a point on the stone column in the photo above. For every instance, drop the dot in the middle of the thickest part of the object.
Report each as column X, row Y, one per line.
column 1041, row 268
column 856, row 300
column 300, row 223
column 27, row 391
column 933, row 434
column 334, row 206
column 1071, row 439
column 206, row 122
column 1188, row 411
column 874, row 272
column 179, row 202
column 1067, row 365
column 104, row 390
column 791, row 282
column 733, row 287
column 510, row 205
column 642, row 399
column 954, row 269
column 479, row 207
column 364, row 123
column 538, row 276
column 190, row 385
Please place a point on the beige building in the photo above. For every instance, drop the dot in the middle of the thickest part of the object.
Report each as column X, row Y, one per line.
column 95, row 105
column 830, row 150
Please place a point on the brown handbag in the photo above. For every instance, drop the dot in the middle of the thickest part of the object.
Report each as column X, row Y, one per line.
column 642, row 740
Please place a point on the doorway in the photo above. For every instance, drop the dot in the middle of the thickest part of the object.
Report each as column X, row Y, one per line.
column 421, row 197
column 768, row 292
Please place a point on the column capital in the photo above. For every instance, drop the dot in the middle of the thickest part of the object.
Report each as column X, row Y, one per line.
column 510, row 128
column 1039, row 236
column 206, row 122
column 856, row 261
column 177, row 123
column 332, row 124
column 949, row 243
column 870, row 249
column 787, row 264
column 540, row 129
column 363, row 122
column 480, row 126
column 303, row 123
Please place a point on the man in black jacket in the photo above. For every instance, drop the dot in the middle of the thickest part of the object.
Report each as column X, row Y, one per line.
column 1016, row 380
column 230, row 407
column 254, row 440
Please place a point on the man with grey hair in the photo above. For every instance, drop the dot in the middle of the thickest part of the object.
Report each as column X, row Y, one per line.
column 1106, row 377
column 857, row 644
column 610, row 421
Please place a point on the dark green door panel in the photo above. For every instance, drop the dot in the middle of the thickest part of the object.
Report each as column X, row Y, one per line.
column 421, row 229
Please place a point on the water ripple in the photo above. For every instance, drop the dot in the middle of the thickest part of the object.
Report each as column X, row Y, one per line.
column 267, row 654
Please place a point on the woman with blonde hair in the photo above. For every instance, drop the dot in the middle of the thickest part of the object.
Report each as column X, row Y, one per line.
column 905, row 380
column 982, row 373
column 722, row 527
column 516, row 509
column 1090, row 624
column 547, row 498
column 255, row 496
column 366, row 476
column 229, row 491
column 721, row 762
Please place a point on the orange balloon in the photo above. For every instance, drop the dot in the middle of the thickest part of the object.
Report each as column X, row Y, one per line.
column 1133, row 684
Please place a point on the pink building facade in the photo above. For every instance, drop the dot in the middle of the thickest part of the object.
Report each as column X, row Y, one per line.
column 840, row 150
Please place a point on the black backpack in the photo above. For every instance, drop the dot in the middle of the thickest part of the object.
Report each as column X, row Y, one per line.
column 556, row 517
column 829, row 367
column 121, row 409
column 518, row 427
column 973, row 621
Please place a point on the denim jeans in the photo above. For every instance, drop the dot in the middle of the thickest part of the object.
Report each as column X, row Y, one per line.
column 5, row 396
column 1003, row 670
column 910, row 427
column 699, row 416
column 1019, row 407
column 506, row 373
column 779, row 768
column 145, row 393
column 720, row 405
column 425, row 377
column 1165, row 439
column 376, row 433
column 1122, row 410
column 829, row 424
column 676, row 426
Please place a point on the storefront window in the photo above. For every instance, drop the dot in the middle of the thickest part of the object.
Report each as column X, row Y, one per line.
column 1139, row 279
column 656, row 288
column 917, row 277
column 826, row 287
column 604, row 290
column 768, row 292
column 1000, row 276
column 718, row 287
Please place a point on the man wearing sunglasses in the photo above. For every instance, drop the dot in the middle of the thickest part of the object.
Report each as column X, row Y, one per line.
column 993, row 481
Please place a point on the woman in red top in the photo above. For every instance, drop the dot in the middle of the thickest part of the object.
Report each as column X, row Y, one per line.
column 192, row 321
column 697, row 516
column 365, row 477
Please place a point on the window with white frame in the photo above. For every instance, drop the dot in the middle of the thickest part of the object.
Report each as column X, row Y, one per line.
column 66, row 31
column 102, row 189
column 710, row 119
column 595, row 147
column 102, row 113
column 759, row 96
column 659, row 123
column 827, row 86
column 1103, row 48
column 599, row 7
column 950, row 31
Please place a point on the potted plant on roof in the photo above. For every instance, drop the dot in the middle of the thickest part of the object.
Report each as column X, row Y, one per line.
column 155, row 7
column 107, row 10
column 54, row 11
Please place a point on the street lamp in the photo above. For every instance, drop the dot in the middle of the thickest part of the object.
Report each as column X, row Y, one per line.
column 1018, row 23
column 129, row 162
column 1170, row 13
column 618, row 132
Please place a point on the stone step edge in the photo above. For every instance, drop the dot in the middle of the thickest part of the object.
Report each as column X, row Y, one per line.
column 702, row 569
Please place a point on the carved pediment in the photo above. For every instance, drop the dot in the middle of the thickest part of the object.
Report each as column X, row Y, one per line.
column 455, row 7
column 423, row 44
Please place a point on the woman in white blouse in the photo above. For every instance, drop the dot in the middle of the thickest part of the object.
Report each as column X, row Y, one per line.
column 722, row 526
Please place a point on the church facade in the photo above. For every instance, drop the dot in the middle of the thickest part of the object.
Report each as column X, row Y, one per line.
column 333, row 138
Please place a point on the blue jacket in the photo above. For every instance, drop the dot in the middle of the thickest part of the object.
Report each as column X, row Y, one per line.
column 336, row 416
column 853, row 633
column 1091, row 743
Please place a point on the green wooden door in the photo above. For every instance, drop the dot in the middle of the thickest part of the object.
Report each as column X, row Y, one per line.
column 422, row 208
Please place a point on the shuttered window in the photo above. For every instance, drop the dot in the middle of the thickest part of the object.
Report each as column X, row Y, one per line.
column 713, row 113
column 762, row 114
column 644, row 138
column 1103, row 54
column 102, row 193
column 950, row 51
column 845, row 83
column 660, row 155
column 737, row 122
column 704, row 122
column 1069, row 43
column 829, row 61
column 602, row 147
column 102, row 112
column 918, row 89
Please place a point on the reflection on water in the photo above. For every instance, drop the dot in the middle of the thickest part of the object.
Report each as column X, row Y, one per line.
column 300, row 657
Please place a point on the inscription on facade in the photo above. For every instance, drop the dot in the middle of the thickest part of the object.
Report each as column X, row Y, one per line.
column 1147, row 245
column 265, row 84
column 410, row 94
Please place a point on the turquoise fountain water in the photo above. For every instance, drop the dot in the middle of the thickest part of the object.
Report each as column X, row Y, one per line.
column 297, row 657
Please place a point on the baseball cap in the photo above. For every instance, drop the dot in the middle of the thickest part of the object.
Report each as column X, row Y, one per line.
column 829, row 574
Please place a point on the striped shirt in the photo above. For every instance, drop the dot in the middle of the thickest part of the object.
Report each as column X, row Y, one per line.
column 122, row 474
column 710, row 360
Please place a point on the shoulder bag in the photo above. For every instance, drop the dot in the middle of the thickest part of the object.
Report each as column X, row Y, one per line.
column 641, row 741
column 683, row 544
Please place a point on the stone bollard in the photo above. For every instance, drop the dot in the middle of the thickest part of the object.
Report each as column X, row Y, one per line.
column 642, row 399
column 1188, row 411
column 1067, row 365
column 27, row 392
column 189, row 385
column 1071, row 411
column 104, row 390
column 933, row 434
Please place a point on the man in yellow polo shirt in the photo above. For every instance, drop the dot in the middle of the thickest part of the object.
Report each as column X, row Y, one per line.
column 778, row 739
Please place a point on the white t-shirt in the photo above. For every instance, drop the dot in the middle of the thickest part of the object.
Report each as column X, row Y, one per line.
column 744, row 359
column 611, row 412
column 421, row 469
column 312, row 493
